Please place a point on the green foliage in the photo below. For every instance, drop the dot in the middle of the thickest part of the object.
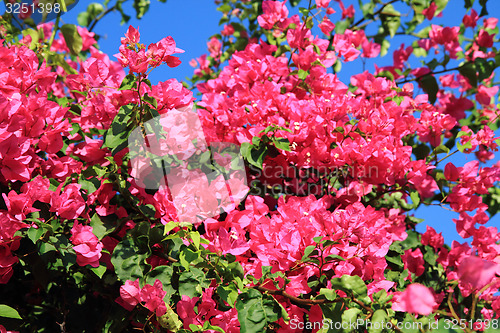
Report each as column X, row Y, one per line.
column 8, row 312
column 72, row 38
column 391, row 20
column 256, row 311
column 254, row 152
column 129, row 260
column 430, row 86
column 353, row 286
column 117, row 135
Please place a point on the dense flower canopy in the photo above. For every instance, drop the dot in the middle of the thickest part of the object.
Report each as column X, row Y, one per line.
column 335, row 171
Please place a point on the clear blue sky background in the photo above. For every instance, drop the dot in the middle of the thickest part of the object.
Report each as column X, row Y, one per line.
column 192, row 22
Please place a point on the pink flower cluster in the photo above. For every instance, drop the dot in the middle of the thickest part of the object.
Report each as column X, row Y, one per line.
column 135, row 56
column 197, row 310
column 150, row 296
column 86, row 245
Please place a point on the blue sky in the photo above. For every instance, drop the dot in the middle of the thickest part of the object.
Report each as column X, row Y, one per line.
column 192, row 22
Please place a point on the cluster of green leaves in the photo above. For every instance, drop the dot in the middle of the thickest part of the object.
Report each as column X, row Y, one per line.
column 260, row 147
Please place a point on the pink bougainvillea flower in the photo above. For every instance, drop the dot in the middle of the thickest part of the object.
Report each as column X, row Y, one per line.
column 485, row 39
column 322, row 3
column 430, row 11
column 86, row 245
column 471, row 20
column 432, row 238
column 274, row 12
column 129, row 294
column 477, row 272
column 132, row 36
column 162, row 51
column 69, row 204
column 414, row 261
column 417, row 299
column 7, row 259
column 4, row 330
column 150, row 296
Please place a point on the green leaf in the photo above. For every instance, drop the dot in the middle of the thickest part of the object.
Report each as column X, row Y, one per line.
column 350, row 316
column 95, row 9
column 281, row 143
column 386, row 74
column 225, row 8
column 99, row 270
column 334, row 257
column 254, row 156
column 484, row 11
column 170, row 226
column 8, row 312
column 468, row 70
column 98, row 227
column 84, row 19
column 236, row 270
column 484, row 68
column 430, row 256
column 441, row 149
column 468, row 4
column 318, row 239
column 308, row 250
column 381, row 297
column 256, row 311
column 418, row 6
column 148, row 210
column 35, row 37
column 195, row 236
column 411, row 241
column 415, row 198
column 170, row 320
column 72, row 38
column 35, row 233
column 129, row 82
column 421, row 151
column 395, row 261
column 228, row 293
column 164, row 274
column 341, row 26
column 128, row 261
column 384, row 47
column 141, row 7
column 117, row 136
column 302, row 74
column 441, row 4
column 90, row 185
column 461, row 147
column 391, row 20
column 333, row 312
column 467, row 145
column 329, row 294
column 463, row 133
column 430, row 86
column 367, row 9
column 379, row 317
column 352, row 285
column 192, row 282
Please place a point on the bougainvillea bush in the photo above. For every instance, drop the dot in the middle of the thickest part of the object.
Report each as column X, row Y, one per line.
column 324, row 240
